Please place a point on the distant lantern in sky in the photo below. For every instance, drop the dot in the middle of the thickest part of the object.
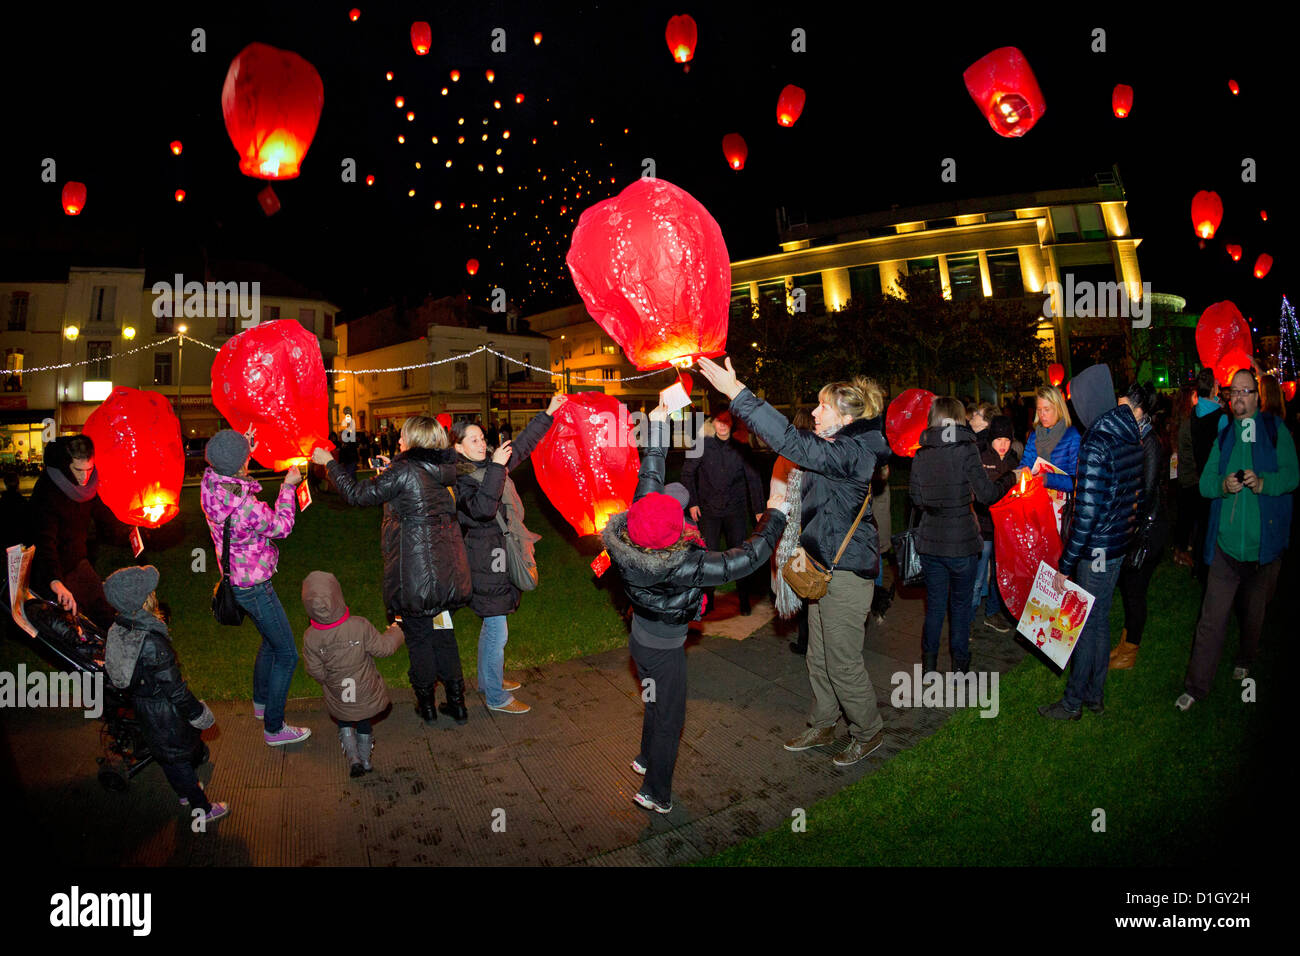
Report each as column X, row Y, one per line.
column 1207, row 213
column 437, row 204
column 472, row 266
column 354, row 14
column 455, row 76
column 370, row 180
column 176, row 147
column 1232, row 85
column 180, row 195
column 1234, row 251
column 1263, row 264
column 421, row 37
column 271, row 101
column 400, row 102
column 537, row 39
column 74, row 198
column 1006, row 91
column 410, row 116
column 734, row 148
column 519, row 97
column 681, row 36
column 1121, row 100
column 789, row 105
column 389, row 76
column 490, row 76
column 1263, row 214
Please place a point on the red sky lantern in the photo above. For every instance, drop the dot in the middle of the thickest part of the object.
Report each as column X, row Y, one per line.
column 455, row 76
column 537, row 39
column 1230, row 365
column 389, row 76
column 681, row 36
column 138, row 455
column 444, row 419
column 472, row 266
column 652, row 267
column 587, row 462
column 271, row 379
column 519, row 97
column 1221, row 329
column 1263, row 214
column 789, row 105
column 180, row 195
column 1056, row 374
column 490, row 76
column 1234, row 251
column 1121, row 100
column 421, row 37
column 1263, row 264
column 1232, row 85
column 1006, row 91
column 1288, row 390
column 271, row 101
column 399, row 102
column 370, row 180
column 1024, row 530
column 1207, row 213
column 734, row 148
column 354, row 14
column 176, row 147
column 905, row 420
column 74, row 198
column 269, row 201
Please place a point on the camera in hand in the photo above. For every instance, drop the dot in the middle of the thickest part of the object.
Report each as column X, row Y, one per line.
column 1240, row 475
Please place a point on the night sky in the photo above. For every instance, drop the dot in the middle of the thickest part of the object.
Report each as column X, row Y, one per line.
column 104, row 91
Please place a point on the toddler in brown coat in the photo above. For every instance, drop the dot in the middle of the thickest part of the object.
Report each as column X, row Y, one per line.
column 338, row 650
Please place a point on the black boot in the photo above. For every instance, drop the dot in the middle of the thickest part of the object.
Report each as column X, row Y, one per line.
column 455, row 706
column 424, row 703
column 929, row 662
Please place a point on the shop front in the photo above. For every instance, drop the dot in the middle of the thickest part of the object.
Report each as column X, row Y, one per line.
column 21, row 433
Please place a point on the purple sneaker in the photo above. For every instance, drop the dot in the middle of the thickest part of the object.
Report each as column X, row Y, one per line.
column 218, row 811
column 286, row 735
column 259, row 710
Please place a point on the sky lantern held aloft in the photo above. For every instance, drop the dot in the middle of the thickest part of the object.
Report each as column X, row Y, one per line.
column 1234, row 251
column 681, row 36
column 789, row 105
column 1207, row 213
column 1263, row 264
column 421, row 37
column 74, row 198
column 652, row 268
column 472, row 266
column 1056, row 374
column 271, row 101
column 905, row 420
column 1221, row 330
column 1006, row 91
column 734, row 148
column 138, row 455
column 1121, row 100
column 176, row 147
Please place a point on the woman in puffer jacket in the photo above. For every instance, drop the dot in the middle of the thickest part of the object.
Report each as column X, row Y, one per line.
column 426, row 572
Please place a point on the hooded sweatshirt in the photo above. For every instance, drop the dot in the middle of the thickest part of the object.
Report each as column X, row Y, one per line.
column 338, row 648
column 253, row 558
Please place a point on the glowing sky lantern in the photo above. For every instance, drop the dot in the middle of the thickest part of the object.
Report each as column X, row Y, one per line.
column 652, row 268
column 1006, row 91
column 1234, row 251
column 905, row 420
column 421, row 37
column 491, row 76
column 1288, row 390
column 1220, row 331
column 74, row 198
column 354, row 14
column 176, row 147
column 399, row 102
column 1121, row 100
column 537, row 39
column 1230, row 364
column 389, row 76
column 587, row 462
column 681, row 35
column 789, row 104
column 1056, row 373
column 1207, row 213
column 138, row 455
column 1232, row 85
column 370, row 180
column 1263, row 264
column 1025, row 532
column 270, row 380
column 735, row 150
column 1263, row 214
column 180, row 195
column 271, row 101
column 455, row 76
column 472, row 266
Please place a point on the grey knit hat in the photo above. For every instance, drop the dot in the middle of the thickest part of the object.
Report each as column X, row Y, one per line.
column 127, row 589
column 678, row 490
column 227, row 451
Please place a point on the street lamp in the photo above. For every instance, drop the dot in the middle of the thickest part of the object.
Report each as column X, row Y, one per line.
column 180, row 379
column 487, row 389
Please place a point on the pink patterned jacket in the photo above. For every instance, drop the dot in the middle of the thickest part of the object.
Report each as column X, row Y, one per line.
column 253, row 557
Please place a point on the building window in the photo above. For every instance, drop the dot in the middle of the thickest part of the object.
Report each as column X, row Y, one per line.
column 589, row 346
column 98, row 368
column 1004, row 274
column 814, row 302
column 927, row 268
column 1064, row 224
column 13, row 377
column 1002, row 215
column 307, row 318
column 941, row 224
column 162, row 368
column 462, row 376
column 328, row 331
column 18, row 311
column 964, row 277
column 1091, row 226
column 741, row 308
column 864, row 284
column 165, row 325
column 773, row 291
column 406, row 378
column 270, row 313
column 608, row 374
column 103, row 298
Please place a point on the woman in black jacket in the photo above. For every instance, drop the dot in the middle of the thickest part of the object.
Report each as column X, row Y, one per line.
column 1149, row 534
column 485, row 492
column 946, row 472
column 426, row 573
column 665, row 568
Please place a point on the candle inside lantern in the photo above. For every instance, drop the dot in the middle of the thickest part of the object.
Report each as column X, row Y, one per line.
column 1023, row 477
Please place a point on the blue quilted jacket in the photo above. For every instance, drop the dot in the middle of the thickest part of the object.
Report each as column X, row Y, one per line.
column 1107, row 491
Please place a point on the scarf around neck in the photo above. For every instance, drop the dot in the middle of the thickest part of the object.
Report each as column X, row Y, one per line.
column 1046, row 439
column 787, row 602
column 78, row 493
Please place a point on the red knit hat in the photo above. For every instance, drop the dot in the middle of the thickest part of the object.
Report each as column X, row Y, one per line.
column 655, row 521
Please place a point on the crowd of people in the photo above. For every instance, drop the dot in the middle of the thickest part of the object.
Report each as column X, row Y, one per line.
column 1222, row 460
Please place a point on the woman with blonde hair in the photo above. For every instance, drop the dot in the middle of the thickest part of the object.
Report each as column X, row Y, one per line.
column 1054, row 439
column 836, row 464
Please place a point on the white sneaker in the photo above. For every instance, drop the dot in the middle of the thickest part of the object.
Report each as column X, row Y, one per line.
column 638, row 768
column 1184, row 702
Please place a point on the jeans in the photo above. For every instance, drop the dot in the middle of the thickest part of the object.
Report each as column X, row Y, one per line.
column 433, row 650
column 1250, row 585
column 185, row 781
column 665, row 715
column 837, row 627
column 492, row 638
column 1091, row 657
column 947, row 582
column 986, row 583
column 278, row 655
column 734, row 526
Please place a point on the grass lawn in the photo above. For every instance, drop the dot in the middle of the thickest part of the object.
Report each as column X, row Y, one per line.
column 1177, row 788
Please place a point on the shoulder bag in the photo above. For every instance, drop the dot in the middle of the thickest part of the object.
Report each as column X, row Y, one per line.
column 909, row 559
column 806, row 575
column 225, row 608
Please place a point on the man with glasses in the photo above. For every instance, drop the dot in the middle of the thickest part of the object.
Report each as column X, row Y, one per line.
column 1248, row 477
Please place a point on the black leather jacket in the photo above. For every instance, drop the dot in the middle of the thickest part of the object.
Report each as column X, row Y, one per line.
column 164, row 703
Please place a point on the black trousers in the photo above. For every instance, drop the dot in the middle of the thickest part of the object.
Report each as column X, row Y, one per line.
column 434, row 654
column 665, row 715
column 1185, row 526
column 736, row 527
column 185, row 781
column 1133, row 585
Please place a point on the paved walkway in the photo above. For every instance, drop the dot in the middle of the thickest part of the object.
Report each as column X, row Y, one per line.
column 558, row 779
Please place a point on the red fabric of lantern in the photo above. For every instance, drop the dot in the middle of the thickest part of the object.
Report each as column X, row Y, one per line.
column 271, row 101
column 789, row 105
column 271, row 379
column 1234, row 361
column 653, row 269
column 1024, row 534
column 138, row 455
column 1121, row 100
column 588, row 462
column 74, row 198
column 1288, row 390
column 1221, row 329
column 471, row 266
column 681, row 35
column 1056, row 373
column 905, row 420
column 1207, row 213
column 1234, row 251
column 421, row 37
column 1006, row 91
column 1263, row 264
column 735, row 149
